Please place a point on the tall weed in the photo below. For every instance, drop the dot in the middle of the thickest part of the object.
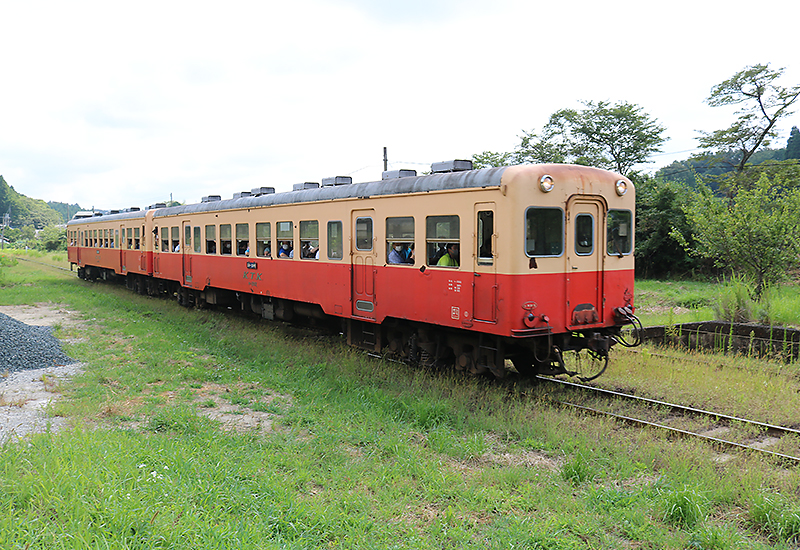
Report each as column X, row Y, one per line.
column 735, row 302
column 684, row 507
column 773, row 515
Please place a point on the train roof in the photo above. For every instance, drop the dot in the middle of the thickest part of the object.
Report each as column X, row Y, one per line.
column 486, row 177
column 464, row 179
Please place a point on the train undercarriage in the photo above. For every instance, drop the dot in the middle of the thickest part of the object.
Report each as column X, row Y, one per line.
column 583, row 354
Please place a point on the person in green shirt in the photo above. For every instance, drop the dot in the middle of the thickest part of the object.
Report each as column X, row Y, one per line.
column 450, row 258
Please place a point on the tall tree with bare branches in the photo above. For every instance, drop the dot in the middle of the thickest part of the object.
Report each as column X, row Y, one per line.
column 762, row 104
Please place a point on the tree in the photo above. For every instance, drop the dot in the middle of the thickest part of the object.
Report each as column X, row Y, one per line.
column 53, row 238
column 763, row 103
column 793, row 145
column 659, row 212
column 755, row 234
column 615, row 137
column 490, row 159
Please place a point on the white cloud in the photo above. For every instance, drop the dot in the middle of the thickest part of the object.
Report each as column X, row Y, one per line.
column 115, row 105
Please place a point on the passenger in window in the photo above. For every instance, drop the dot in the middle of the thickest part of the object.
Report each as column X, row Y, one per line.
column 286, row 250
column 399, row 254
column 410, row 254
column 450, row 258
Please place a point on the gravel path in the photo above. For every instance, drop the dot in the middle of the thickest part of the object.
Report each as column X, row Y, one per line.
column 31, row 365
column 24, row 347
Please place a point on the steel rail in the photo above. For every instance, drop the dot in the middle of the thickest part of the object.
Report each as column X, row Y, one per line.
column 769, row 428
column 44, row 264
column 716, row 440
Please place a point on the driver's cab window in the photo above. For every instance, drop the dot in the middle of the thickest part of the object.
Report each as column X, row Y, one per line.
column 619, row 232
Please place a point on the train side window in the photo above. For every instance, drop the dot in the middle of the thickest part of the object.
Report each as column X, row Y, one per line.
column 242, row 239
column 309, row 239
column 584, row 234
column 285, row 233
column 197, row 240
column 130, row 238
column 187, row 238
column 440, row 231
column 137, row 243
column 165, row 239
column 544, row 231
column 105, row 238
column 485, row 232
column 94, row 237
column 400, row 241
column 618, row 232
column 116, row 238
column 175, row 246
column 335, row 241
column 225, row 243
column 364, row 234
column 263, row 240
column 211, row 239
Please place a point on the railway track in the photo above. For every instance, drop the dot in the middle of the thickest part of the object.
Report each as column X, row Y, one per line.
column 768, row 434
column 42, row 263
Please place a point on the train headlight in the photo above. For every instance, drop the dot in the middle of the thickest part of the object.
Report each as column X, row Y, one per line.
column 621, row 187
column 546, row 183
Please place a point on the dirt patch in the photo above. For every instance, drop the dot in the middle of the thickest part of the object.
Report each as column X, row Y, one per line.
column 43, row 314
column 216, row 402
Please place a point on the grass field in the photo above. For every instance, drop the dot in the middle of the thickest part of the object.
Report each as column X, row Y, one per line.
column 203, row 429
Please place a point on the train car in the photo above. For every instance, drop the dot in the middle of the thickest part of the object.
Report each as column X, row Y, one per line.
column 461, row 267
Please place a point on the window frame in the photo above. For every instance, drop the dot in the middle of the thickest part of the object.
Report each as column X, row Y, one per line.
column 371, row 229
column 609, row 232
column 404, row 239
column 560, row 232
column 580, row 249
column 436, row 243
column 331, row 244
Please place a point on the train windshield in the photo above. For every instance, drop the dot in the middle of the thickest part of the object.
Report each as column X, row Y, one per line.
column 544, row 231
column 619, row 232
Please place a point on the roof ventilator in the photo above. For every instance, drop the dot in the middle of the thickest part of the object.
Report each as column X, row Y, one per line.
column 451, row 166
column 394, row 174
column 305, row 185
column 258, row 191
column 241, row 195
column 211, row 198
column 336, row 180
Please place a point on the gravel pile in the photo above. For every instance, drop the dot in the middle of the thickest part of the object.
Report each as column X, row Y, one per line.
column 24, row 347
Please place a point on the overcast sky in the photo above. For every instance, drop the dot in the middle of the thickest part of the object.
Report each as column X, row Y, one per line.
column 111, row 104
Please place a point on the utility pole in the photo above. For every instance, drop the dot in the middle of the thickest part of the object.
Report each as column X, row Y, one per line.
column 6, row 221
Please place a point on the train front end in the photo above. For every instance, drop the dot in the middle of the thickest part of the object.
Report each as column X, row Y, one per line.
column 573, row 267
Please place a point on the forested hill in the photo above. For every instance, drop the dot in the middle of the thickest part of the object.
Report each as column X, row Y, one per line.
column 66, row 210
column 26, row 211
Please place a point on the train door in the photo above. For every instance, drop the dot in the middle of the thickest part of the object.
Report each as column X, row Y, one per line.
column 484, row 295
column 584, row 267
column 363, row 257
column 80, row 246
column 186, row 257
column 140, row 242
column 119, row 238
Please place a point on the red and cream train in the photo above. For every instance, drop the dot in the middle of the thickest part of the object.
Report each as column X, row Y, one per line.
column 546, row 260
